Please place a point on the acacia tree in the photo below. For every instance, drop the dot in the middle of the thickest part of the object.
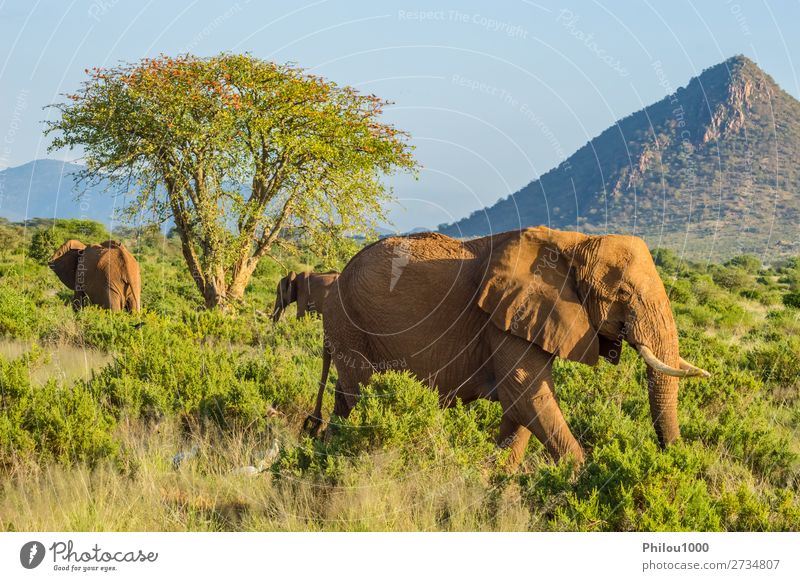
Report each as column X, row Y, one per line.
column 241, row 153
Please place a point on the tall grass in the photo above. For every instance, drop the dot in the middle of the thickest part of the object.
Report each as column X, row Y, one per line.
column 191, row 421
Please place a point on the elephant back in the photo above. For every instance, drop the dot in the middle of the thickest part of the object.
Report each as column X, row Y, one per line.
column 407, row 282
column 121, row 271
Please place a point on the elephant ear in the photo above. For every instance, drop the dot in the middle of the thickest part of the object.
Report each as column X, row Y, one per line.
column 64, row 261
column 289, row 288
column 529, row 289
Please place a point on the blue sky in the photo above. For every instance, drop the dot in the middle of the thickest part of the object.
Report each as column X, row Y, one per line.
column 493, row 93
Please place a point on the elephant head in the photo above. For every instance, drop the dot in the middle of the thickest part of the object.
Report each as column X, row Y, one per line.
column 579, row 297
column 65, row 263
column 285, row 294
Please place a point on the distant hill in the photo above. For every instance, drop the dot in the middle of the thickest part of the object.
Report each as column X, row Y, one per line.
column 46, row 188
column 384, row 231
column 711, row 170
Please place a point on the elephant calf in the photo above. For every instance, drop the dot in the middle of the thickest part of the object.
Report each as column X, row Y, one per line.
column 307, row 289
column 103, row 274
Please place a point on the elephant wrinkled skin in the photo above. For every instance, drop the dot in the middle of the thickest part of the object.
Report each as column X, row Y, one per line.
column 485, row 318
column 103, row 274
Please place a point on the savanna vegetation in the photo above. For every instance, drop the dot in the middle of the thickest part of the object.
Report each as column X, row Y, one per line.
column 191, row 420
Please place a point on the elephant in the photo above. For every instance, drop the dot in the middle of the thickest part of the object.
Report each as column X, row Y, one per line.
column 308, row 289
column 485, row 318
column 104, row 274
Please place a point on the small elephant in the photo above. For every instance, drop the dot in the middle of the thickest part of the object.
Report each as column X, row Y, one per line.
column 485, row 318
column 103, row 274
column 308, row 289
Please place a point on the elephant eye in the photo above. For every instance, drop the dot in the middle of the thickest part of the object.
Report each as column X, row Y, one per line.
column 623, row 293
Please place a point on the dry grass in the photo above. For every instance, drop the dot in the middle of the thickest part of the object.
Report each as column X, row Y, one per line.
column 207, row 494
column 64, row 363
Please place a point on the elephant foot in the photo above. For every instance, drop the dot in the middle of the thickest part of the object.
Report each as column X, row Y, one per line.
column 514, row 437
column 312, row 426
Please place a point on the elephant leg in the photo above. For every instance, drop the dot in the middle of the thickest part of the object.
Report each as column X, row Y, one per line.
column 353, row 368
column 114, row 300
column 544, row 418
column 525, row 387
column 514, row 436
column 353, row 372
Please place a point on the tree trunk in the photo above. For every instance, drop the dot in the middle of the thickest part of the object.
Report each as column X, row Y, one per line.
column 215, row 291
column 242, row 272
column 212, row 279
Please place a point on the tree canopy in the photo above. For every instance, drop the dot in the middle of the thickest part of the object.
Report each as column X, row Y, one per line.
column 241, row 153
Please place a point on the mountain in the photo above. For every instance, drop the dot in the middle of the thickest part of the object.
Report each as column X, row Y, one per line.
column 711, row 170
column 46, row 188
column 384, row 231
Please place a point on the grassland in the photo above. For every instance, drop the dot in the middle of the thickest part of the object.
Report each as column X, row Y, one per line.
column 94, row 410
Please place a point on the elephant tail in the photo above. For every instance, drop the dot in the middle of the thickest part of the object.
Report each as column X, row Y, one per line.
column 132, row 303
column 312, row 423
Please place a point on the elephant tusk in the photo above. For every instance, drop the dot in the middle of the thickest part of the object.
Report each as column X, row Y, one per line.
column 688, row 366
column 658, row 365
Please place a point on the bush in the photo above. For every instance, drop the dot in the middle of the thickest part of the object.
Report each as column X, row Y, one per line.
column 679, row 291
column 705, row 290
column 19, row 314
column 43, row 245
column 50, row 421
column 792, row 299
column 747, row 262
column 398, row 416
column 778, row 362
column 733, row 279
column 666, row 259
column 627, row 488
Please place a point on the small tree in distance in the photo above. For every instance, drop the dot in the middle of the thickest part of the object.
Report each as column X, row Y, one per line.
column 237, row 151
column 43, row 245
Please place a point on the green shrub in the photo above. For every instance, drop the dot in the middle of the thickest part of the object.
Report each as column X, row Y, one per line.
column 792, row 299
column 19, row 314
column 705, row 290
column 733, row 279
column 679, row 291
column 778, row 362
column 625, row 488
column 50, row 421
column 43, row 245
column 747, row 262
column 400, row 418
column 666, row 259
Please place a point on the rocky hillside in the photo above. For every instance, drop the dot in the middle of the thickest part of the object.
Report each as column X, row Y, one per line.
column 711, row 170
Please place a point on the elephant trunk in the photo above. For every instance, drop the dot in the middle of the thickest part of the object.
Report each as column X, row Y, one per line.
column 656, row 337
column 277, row 311
column 663, row 393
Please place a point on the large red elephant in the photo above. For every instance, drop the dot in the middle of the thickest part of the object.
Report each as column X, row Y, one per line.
column 486, row 318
